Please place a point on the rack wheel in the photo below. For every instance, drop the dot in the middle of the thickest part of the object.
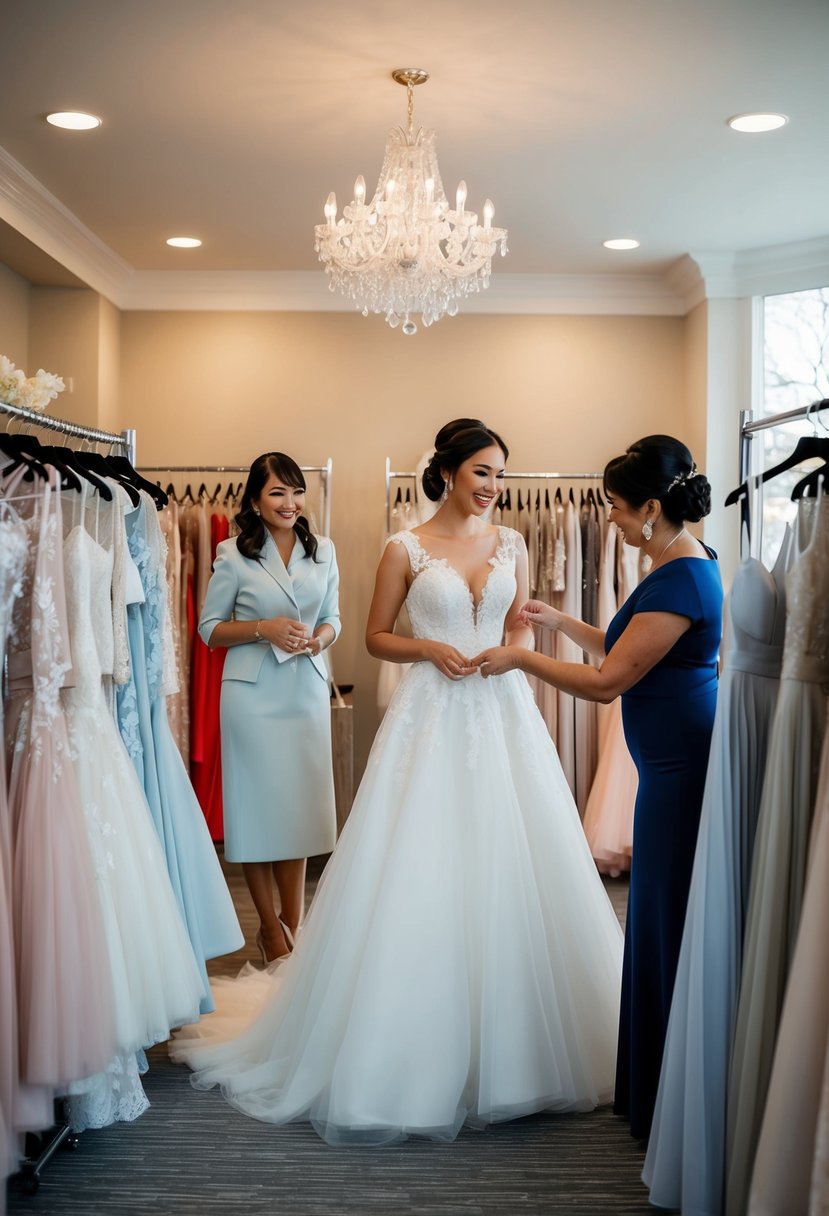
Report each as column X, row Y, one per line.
column 72, row 1142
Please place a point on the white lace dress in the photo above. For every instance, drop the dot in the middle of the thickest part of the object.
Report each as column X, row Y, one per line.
column 461, row 961
column 155, row 976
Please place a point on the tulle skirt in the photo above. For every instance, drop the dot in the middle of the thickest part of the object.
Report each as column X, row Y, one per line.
column 608, row 818
column 461, row 961
column 65, row 1019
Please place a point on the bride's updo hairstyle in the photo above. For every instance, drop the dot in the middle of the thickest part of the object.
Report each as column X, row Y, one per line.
column 252, row 532
column 455, row 443
column 660, row 467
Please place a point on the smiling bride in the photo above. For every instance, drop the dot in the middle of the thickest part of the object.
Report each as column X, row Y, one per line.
column 460, row 962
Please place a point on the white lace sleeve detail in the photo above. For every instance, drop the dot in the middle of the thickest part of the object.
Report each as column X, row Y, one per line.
column 158, row 551
column 121, row 660
column 418, row 557
column 507, row 545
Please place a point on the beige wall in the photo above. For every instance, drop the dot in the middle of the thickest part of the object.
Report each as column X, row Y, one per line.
column 14, row 318
column 64, row 337
column 566, row 392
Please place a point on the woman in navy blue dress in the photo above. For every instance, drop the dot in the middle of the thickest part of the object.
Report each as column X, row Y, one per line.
column 660, row 654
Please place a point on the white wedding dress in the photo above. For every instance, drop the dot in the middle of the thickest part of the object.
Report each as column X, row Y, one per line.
column 461, row 961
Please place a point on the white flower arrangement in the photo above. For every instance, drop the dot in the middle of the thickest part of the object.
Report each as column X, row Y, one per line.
column 29, row 392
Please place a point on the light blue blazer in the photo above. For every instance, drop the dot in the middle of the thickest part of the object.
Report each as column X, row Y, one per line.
column 246, row 589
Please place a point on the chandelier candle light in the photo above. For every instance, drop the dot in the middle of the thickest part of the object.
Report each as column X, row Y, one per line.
column 407, row 251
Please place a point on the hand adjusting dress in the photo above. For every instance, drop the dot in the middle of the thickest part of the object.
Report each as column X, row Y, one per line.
column 460, row 961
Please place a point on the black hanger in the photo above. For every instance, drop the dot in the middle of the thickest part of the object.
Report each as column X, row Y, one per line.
column 809, row 486
column 399, row 496
column 808, row 447
column 547, row 499
column 509, row 500
column 24, row 450
column 558, row 495
column 408, row 496
column 538, row 500
column 572, row 499
column 125, row 472
column 520, row 505
column 599, row 498
column 55, row 457
column 171, row 491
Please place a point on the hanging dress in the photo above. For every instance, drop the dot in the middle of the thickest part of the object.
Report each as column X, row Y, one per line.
column 65, row 1016
column 14, row 543
column 783, row 828
column 685, row 1165
column 192, row 864
column 156, row 978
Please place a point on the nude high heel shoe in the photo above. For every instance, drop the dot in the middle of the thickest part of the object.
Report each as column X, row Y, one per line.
column 289, row 937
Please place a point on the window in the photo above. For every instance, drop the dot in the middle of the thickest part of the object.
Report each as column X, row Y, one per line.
column 796, row 373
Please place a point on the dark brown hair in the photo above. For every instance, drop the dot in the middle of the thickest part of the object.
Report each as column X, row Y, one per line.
column 455, row 443
column 660, row 467
column 252, row 532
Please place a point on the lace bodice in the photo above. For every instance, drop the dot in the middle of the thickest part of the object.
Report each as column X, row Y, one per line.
column 14, row 544
column 806, row 652
column 88, row 573
column 440, row 603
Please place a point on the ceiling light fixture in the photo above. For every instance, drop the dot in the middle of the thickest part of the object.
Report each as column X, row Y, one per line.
column 754, row 123
column 184, row 242
column 73, row 120
column 407, row 251
column 621, row 242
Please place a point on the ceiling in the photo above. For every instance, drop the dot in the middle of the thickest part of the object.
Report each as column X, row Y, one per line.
column 232, row 120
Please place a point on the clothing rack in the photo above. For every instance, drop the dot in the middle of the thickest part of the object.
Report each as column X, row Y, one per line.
column 126, row 439
column 325, row 471
column 391, row 475
column 749, row 428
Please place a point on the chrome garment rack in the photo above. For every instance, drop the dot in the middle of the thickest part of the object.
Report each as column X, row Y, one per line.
column 325, row 472
column 391, row 476
column 749, row 428
column 125, row 440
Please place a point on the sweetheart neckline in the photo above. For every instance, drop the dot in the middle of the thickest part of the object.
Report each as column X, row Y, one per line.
column 444, row 561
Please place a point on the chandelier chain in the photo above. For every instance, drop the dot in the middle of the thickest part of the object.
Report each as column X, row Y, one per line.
column 410, row 105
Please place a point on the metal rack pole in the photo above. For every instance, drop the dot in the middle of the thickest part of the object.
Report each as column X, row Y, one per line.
column 65, row 427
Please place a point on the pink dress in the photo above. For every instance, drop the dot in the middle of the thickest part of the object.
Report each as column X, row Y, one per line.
column 14, row 542
column 64, row 990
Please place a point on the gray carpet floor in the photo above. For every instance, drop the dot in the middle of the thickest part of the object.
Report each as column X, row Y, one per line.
column 192, row 1154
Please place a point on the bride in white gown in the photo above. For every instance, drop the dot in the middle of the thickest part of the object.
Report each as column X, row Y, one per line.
column 460, row 962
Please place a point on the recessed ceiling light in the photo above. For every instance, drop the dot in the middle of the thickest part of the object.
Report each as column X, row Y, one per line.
column 621, row 242
column 73, row 120
column 754, row 123
column 184, row 242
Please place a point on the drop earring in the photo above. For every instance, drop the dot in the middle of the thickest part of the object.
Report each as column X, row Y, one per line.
column 647, row 530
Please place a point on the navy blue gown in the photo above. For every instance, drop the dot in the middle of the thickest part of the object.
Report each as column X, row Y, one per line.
column 668, row 718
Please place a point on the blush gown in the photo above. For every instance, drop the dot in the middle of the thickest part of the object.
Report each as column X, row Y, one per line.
column 461, row 961
column 668, row 717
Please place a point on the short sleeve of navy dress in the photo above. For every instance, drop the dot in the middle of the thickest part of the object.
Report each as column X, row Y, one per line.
column 668, row 718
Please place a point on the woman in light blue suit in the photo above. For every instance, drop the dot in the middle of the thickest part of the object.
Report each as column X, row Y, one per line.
column 272, row 601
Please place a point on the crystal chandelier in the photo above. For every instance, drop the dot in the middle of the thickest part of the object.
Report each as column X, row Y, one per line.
column 407, row 252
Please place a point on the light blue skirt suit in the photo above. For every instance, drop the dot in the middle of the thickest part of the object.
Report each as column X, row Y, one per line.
column 277, row 773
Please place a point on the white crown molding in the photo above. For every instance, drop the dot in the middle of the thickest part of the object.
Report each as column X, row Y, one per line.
column 307, row 291
column 32, row 210
column 42, row 218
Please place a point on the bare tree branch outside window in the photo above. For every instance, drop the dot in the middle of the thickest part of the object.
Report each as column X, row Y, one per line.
column 796, row 355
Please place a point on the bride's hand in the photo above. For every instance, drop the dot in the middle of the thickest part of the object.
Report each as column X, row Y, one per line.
column 449, row 661
column 536, row 612
column 497, row 660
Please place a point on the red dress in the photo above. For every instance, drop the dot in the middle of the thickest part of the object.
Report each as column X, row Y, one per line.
column 205, row 690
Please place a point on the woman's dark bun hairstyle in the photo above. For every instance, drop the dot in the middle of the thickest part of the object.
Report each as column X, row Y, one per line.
column 252, row 532
column 661, row 467
column 455, row 443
